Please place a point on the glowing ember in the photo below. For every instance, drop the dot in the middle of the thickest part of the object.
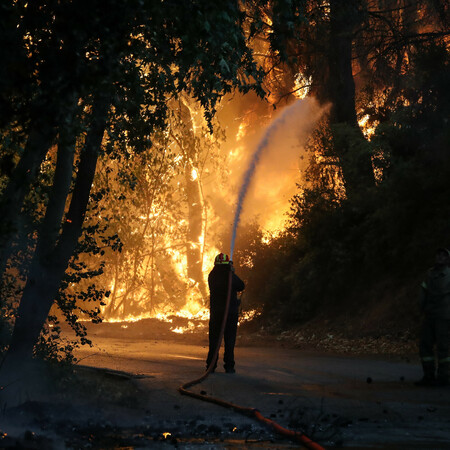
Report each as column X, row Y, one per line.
column 181, row 330
column 129, row 318
column 302, row 86
column 246, row 316
column 193, row 310
column 367, row 128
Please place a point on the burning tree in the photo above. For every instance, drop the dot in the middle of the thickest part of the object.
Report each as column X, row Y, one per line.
column 156, row 206
column 139, row 207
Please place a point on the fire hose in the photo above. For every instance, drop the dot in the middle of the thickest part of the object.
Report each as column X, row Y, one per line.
column 250, row 412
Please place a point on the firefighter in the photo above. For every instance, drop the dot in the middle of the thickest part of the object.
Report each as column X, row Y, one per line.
column 435, row 306
column 218, row 281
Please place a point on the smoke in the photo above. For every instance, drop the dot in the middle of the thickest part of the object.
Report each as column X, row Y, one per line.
column 278, row 158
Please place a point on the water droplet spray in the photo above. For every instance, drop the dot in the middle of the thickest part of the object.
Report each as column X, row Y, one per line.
column 305, row 110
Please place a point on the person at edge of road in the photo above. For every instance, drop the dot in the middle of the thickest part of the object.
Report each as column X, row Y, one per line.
column 218, row 287
column 435, row 306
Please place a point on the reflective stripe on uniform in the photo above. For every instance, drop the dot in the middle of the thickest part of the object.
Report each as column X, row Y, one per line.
column 444, row 360
column 427, row 358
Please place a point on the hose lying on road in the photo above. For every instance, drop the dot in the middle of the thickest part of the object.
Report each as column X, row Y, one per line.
column 251, row 412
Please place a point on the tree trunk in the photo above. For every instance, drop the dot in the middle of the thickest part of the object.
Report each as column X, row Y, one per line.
column 349, row 142
column 195, row 229
column 51, row 225
column 52, row 255
column 194, row 202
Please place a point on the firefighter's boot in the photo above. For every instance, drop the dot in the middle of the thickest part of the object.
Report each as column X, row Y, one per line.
column 428, row 374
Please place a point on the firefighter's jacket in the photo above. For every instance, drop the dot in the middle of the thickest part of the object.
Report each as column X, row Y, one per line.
column 218, row 288
column 435, row 293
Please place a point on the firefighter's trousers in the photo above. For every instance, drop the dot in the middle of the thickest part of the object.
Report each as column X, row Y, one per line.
column 229, row 337
column 435, row 334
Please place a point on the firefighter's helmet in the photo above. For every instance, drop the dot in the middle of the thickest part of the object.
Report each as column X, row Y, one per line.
column 221, row 258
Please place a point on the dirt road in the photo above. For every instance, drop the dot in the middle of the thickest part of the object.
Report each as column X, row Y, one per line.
column 343, row 402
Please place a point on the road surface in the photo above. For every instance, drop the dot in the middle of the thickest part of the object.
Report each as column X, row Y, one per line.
column 343, row 402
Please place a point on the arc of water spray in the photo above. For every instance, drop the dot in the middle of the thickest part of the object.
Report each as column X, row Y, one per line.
column 246, row 184
column 248, row 176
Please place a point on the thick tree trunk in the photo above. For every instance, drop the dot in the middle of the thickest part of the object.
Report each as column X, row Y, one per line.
column 52, row 255
column 340, row 90
column 195, row 206
column 195, row 229
column 51, row 225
